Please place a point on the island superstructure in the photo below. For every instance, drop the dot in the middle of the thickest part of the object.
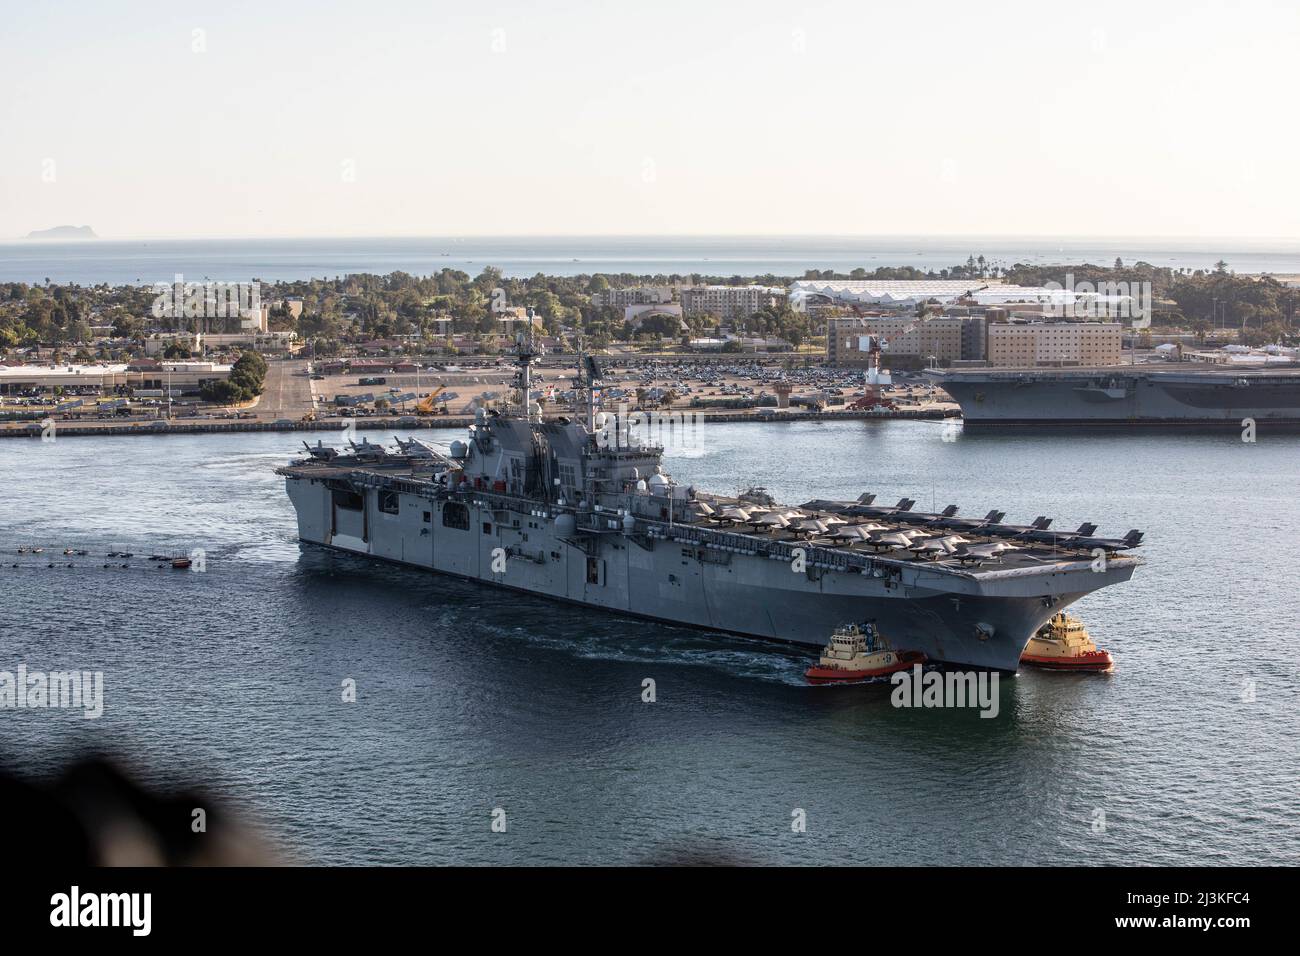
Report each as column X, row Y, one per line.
column 577, row 511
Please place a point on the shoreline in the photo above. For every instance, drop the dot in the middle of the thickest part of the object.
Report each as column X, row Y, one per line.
column 32, row 430
column 281, row 258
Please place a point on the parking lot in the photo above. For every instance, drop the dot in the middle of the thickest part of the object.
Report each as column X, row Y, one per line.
column 731, row 385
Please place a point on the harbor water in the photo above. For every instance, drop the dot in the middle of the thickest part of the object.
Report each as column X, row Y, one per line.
column 471, row 700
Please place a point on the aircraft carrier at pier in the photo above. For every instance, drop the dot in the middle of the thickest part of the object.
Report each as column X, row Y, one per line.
column 1181, row 393
column 560, row 510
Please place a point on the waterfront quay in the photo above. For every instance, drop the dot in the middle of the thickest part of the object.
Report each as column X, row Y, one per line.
column 298, row 397
column 182, row 426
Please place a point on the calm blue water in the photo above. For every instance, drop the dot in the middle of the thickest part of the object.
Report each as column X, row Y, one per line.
column 471, row 699
column 147, row 262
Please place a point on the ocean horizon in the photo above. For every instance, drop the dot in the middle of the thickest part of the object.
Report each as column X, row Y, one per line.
column 148, row 261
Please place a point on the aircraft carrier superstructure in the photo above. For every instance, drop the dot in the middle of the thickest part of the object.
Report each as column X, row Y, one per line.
column 1175, row 393
column 566, row 509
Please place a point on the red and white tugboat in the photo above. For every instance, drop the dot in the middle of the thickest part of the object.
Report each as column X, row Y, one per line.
column 858, row 653
column 1063, row 644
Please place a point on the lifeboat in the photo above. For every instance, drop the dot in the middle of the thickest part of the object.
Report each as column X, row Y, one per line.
column 859, row 653
column 1063, row 644
column 180, row 564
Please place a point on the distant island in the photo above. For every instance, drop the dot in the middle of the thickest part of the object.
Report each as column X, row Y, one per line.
column 63, row 232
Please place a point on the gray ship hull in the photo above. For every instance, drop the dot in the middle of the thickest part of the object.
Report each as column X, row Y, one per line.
column 1124, row 396
column 660, row 573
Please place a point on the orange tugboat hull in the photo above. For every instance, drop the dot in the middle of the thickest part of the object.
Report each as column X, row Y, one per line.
column 834, row 675
column 1091, row 661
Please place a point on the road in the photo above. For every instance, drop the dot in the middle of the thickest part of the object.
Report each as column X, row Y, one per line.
column 286, row 392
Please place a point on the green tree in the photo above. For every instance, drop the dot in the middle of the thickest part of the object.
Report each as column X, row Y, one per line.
column 248, row 373
column 222, row 392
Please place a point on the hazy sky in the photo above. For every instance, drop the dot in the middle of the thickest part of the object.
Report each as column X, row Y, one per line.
column 437, row 118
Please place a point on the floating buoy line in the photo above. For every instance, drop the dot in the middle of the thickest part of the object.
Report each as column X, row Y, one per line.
column 36, row 557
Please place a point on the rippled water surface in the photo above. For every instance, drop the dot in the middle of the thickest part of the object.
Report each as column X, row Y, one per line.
column 471, row 699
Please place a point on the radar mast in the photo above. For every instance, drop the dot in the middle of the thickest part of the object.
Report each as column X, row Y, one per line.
column 525, row 352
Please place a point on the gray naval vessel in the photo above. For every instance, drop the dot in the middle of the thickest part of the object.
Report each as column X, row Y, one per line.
column 1180, row 393
column 578, row 511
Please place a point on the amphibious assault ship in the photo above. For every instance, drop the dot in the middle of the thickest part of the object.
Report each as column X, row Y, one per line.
column 1182, row 393
column 579, row 511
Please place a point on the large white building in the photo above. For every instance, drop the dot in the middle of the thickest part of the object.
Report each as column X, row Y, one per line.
column 183, row 377
column 730, row 301
column 158, row 342
column 639, row 295
column 908, row 294
column 932, row 339
column 1054, row 343
column 636, row 314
